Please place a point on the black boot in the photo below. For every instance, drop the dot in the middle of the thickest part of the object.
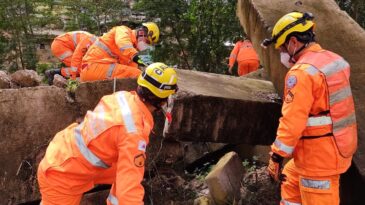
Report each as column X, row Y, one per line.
column 51, row 73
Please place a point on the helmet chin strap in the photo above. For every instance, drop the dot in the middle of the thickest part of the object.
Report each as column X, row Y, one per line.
column 291, row 59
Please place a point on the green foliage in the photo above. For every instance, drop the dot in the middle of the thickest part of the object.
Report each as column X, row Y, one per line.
column 355, row 8
column 251, row 165
column 72, row 85
column 42, row 67
column 194, row 32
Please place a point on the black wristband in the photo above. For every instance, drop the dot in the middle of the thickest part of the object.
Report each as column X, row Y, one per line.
column 277, row 158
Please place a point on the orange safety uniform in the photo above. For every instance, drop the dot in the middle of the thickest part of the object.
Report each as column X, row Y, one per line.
column 318, row 128
column 108, row 147
column 63, row 47
column 246, row 57
column 80, row 51
column 111, row 56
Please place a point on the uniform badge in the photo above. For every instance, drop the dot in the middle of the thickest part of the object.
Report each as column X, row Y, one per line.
column 291, row 81
column 139, row 160
column 289, row 97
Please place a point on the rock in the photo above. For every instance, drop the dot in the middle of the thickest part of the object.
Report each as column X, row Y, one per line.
column 219, row 108
column 203, row 200
column 4, row 80
column 259, row 74
column 26, row 78
column 95, row 198
column 224, row 180
column 258, row 17
column 59, row 81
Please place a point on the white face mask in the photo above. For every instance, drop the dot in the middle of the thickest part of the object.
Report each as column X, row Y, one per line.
column 284, row 59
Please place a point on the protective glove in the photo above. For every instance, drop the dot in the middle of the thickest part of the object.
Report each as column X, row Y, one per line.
column 275, row 167
column 137, row 59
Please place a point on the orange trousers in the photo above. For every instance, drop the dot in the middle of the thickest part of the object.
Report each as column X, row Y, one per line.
column 247, row 66
column 101, row 71
column 53, row 195
column 308, row 190
column 61, row 51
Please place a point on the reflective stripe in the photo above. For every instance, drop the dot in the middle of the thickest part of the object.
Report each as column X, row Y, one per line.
column 105, row 48
column 233, row 56
column 67, row 72
column 125, row 47
column 283, row 147
column 93, row 39
column 74, row 39
column 344, row 122
column 73, row 68
column 311, row 70
column 318, row 121
column 126, row 113
column 285, row 202
column 97, row 122
column 113, row 200
column 110, row 71
column 86, row 152
column 340, row 95
column 316, row 184
column 40, row 203
column 334, row 67
column 65, row 55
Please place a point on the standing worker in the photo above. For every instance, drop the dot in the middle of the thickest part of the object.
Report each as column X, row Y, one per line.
column 63, row 48
column 109, row 146
column 115, row 54
column 318, row 124
column 246, row 56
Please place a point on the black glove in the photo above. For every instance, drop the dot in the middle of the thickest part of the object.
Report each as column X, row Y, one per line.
column 275, row 167
column 139, row 61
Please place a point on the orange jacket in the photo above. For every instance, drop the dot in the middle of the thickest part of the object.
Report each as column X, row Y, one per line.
column 116, row 46
column 243, row 50
column 309, row 110
column 114, row 135
column 65, row 44
column 79, row 53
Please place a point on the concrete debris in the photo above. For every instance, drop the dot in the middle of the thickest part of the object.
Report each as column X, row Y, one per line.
column 59, row 81
column 26, row 78
column 5, row 80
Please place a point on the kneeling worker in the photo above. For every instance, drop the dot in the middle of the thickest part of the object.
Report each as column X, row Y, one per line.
column 109, row 146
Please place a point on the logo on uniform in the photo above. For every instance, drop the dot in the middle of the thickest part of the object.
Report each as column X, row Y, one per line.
column 291, row 81
column 142, row 145
column 289, row 97
column 139, row 160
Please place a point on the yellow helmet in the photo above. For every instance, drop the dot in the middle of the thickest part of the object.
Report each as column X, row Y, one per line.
column 289, row 23
column 160, row 79
column 153, row 32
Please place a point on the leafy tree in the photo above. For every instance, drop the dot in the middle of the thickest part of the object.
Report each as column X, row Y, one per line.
column 193, row 32
column 355, row 8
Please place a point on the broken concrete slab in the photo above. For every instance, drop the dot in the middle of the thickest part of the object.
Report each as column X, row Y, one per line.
column 4, row 80
column 258, row 17
column 59, row 81
column 224, row 181
column 220, row 108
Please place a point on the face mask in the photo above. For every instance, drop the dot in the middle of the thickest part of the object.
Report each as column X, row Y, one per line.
column 141, row 46
column 284, row 59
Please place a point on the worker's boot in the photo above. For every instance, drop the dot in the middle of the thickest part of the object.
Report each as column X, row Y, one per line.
column 51, row 73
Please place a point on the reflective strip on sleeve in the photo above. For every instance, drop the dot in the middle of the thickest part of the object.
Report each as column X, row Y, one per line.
column 97, row 121
column 344, row 122
column 86, row 152
column 311, row 70
column 67, row 72
column 233, row 56
column 105, row 48
column 285, row 202
column 125, row 47
column 74, row 39
column 73, row 68
column 340, row 95
column 93, row 39
column 283, row 147
column 65, row 55
column 334, row 67
column 110, row 71
column 112, row 199
column 318, row 121
column 126, row 113
column 316, row 184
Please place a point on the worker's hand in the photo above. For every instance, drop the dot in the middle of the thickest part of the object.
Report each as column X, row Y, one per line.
column 275, row 167
column 137, row 59
column 230, row 70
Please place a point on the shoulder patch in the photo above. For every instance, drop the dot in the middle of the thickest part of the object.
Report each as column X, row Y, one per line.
column 139, row 160
column 289, row 97
column 291, row 81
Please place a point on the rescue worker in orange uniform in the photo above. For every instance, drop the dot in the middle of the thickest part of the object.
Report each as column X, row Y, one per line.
column 109, row 146
column 115, row 54
column 64, row 47
column 318, row 125
column 246, row 57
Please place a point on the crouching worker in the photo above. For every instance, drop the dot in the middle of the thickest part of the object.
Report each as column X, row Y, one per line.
column 109, row 146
